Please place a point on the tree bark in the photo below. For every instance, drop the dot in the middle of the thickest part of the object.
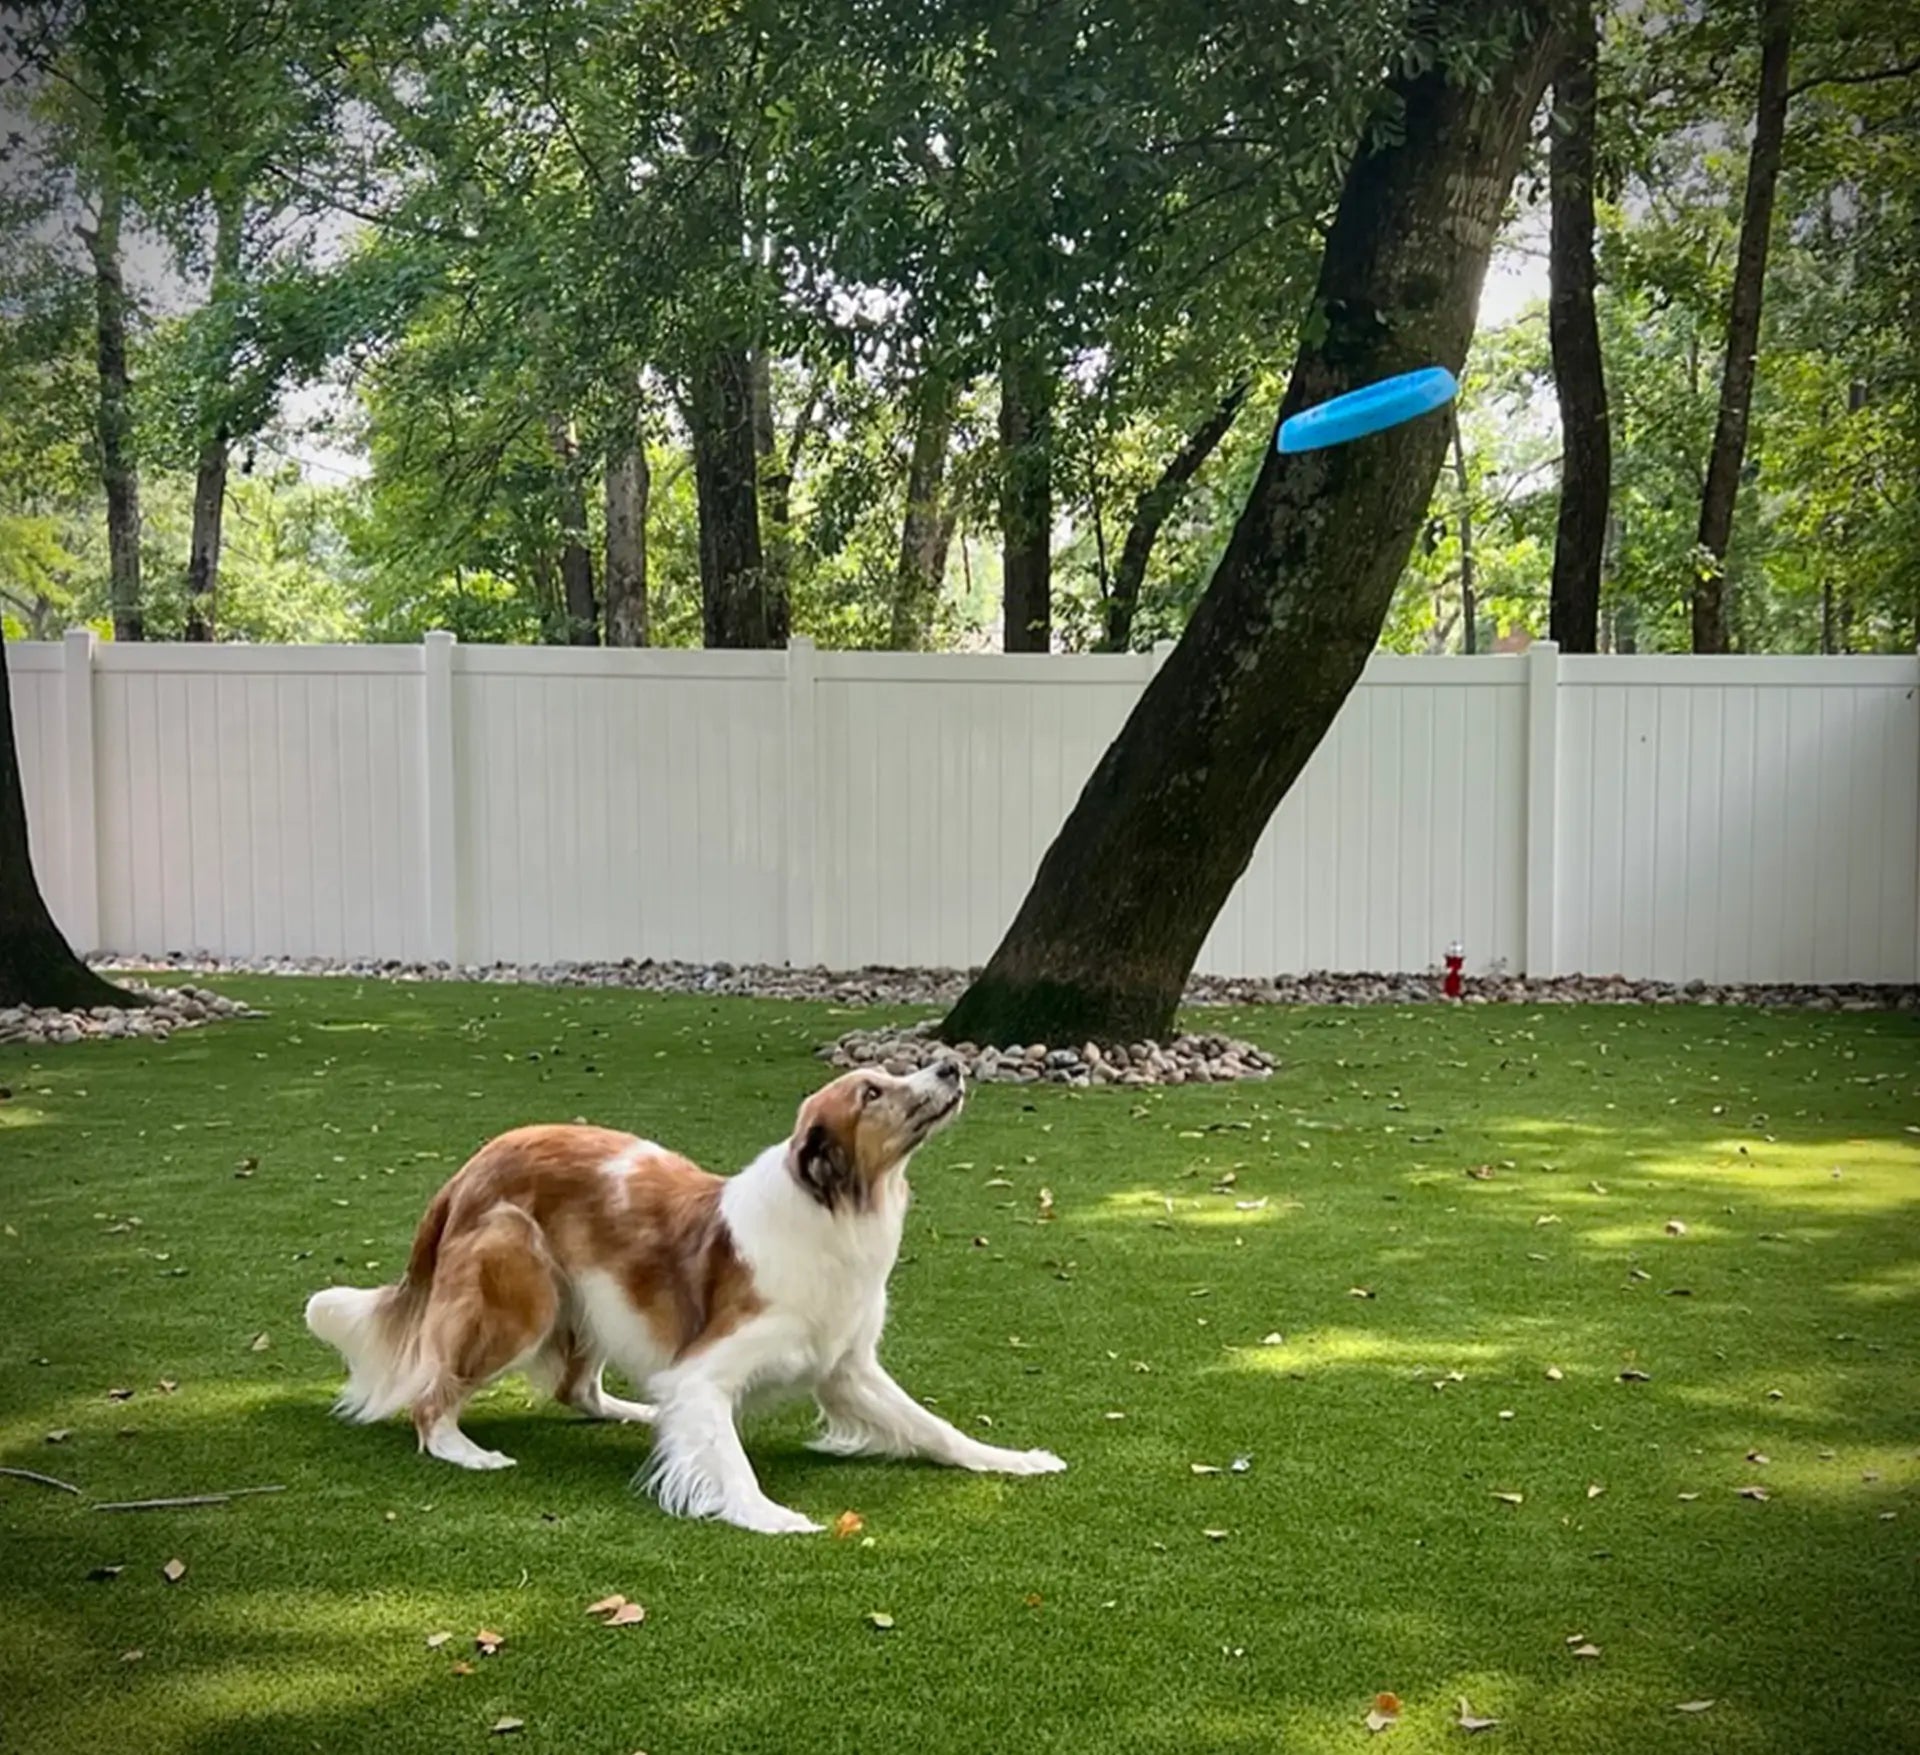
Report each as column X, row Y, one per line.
column 1579, row 374
column 736, row 608
column 210, row 471
column 1743, row 331
column 37, row 965
column 1152, row 510
column 1124, row 898
column 1469, row 604
column 576, row 555
column 629, row 486
column 1026, row 497
column 926, row 532
column 119, row 464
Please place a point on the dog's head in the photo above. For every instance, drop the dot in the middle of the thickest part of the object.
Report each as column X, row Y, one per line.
column 851, row 1135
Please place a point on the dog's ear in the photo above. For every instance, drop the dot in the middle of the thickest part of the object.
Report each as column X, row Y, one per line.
column 823, row 1167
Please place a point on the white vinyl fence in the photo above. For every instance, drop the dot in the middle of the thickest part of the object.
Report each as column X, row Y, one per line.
column 1720, row 818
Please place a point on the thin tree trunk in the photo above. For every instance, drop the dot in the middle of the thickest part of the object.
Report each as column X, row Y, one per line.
column 576, row 555
column 1026, row 497
column 736, row 608
column 119, row 465
column 1579, row 374
column 1469, row 608
column 629, row 487
column 210, row 471
column 1743, row 331
column 926, row 532
column 1152, row 510
column 37, row 965
column 1104, row 942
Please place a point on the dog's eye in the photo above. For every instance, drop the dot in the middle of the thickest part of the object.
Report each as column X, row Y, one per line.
column 868, row 1093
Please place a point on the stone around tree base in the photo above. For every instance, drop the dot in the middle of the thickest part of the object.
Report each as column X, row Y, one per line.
column 171, row 1009
column 1186, row 1060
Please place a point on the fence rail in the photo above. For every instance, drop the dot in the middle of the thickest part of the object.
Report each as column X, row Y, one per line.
column 1674, row 818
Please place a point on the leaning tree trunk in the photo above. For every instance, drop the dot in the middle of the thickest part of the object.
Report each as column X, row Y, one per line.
column 1579, row 375
column 1125, row 896
column 1026, row 497
column 210, row 470
column 926, row 532
column 629, row 486
column 735, row 606
column 1743, row 331
column 119, row 467
column 37, row 966
column 1152, row 510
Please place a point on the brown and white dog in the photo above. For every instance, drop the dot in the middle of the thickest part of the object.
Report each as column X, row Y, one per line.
column 559, row 1250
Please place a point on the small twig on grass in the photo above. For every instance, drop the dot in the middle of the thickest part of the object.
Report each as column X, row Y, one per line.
column 44, row 1480
column 189, row 1499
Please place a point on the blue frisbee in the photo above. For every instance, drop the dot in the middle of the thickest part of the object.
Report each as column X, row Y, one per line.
column 1369, row 410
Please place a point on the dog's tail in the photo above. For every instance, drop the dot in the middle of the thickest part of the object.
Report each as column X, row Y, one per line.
column 377, row 1329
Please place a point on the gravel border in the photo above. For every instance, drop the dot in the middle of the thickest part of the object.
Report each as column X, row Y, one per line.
column 168, row 1009
column 887, row 986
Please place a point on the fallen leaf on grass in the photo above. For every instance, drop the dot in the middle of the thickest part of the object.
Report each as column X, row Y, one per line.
column 174, row 1571
column 119, row 1395
column 59, row 1435
column 104, row 1574
column 1693, row 1706
column 606, row 1605
column 1204, row 1468
column 1385, row 1713
column 1046, row 1203
column 1241, row 1464
column 436, row 1640
column 1276, row 1339
column 260, row 1342
column 848, row 1523
column 1216, row 1535
column 506, row 1726
column 1480, row 1172
column 461, row 1667
column 487, row 1642
column 166, row 1386
column 1632, row 1376
column 1594, row 1489
column 1554, row 1374
column 1033, row 1599
column 627, row 1615
column 880, row 1620
column 1469, row 1720
column 1689, row 1495
column 1676, row 1227
column 1758, row 1456
column 1755, row 1493
column 1511, row 1498
column 1360, row 1292
column 1588, row 1650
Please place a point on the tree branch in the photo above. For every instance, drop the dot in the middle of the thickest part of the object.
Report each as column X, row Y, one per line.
column 1906, row 70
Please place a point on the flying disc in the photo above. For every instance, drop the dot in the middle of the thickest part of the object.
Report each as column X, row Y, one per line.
column 1369, row 410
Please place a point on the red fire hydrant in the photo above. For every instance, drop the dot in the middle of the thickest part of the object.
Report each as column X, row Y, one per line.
column 1456, row 960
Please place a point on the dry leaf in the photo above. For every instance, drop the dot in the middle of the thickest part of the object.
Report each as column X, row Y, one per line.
column 606, row 1605
column 174, row 1570
column 880, row 1619
column 1594, row 1489
column 1554, row 1374
column 104, row 1574
column 1632, row 1376
column 1689, row 1495
column 1359, row 1292
column 1241, row 1464
column 1511, row 1498
column 506, row 1726
column 1250, row 1206
column 627, row 1615
column 1470, row 1721
column 1676, row 1228
column 1276, row 1339
column 1046, row 1203
column 436, row 1640
column 1385, row 1713
column 1693, row 1706
column 59, row 1435
column 167, row 1386
column 1204, row 1468
column 1216, row 1535
column 487, row 1642
column 260, row 1342
column 132, row 1657
column 461, row 1667
column 1480, row 1172
column 1033, row 1599
column 1758, row 1456
column 119, row 1395
column 1589, row 1650
column 1755, row 1493
column 1548, row 1219
column 848, row 1523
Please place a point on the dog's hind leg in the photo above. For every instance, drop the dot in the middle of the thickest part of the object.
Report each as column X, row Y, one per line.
column 493, row 1304
column 568, row 1372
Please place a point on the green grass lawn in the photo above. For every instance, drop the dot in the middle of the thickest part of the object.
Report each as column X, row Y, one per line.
column 1131, row 1604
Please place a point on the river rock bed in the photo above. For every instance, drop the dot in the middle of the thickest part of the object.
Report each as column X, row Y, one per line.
column 941, row 987
column 168, row 1009
column 1186, row 1060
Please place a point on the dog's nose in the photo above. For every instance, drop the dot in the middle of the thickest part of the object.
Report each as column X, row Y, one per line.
column 948, row 1071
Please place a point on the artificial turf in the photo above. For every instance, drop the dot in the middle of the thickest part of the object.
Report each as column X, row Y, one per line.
column 1497, row 1182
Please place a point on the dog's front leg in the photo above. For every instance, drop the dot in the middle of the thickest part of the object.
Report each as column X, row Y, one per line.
column 700, row 1467
column 868, row 1414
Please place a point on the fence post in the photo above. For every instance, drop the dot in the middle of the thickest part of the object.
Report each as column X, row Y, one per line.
column 443, row 839
column 802, row 804
column 83, row 822
column 1543, row 795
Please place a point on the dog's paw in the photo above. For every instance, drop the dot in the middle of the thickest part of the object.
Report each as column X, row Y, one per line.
column 1025, row 1462
column 773, row 1520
